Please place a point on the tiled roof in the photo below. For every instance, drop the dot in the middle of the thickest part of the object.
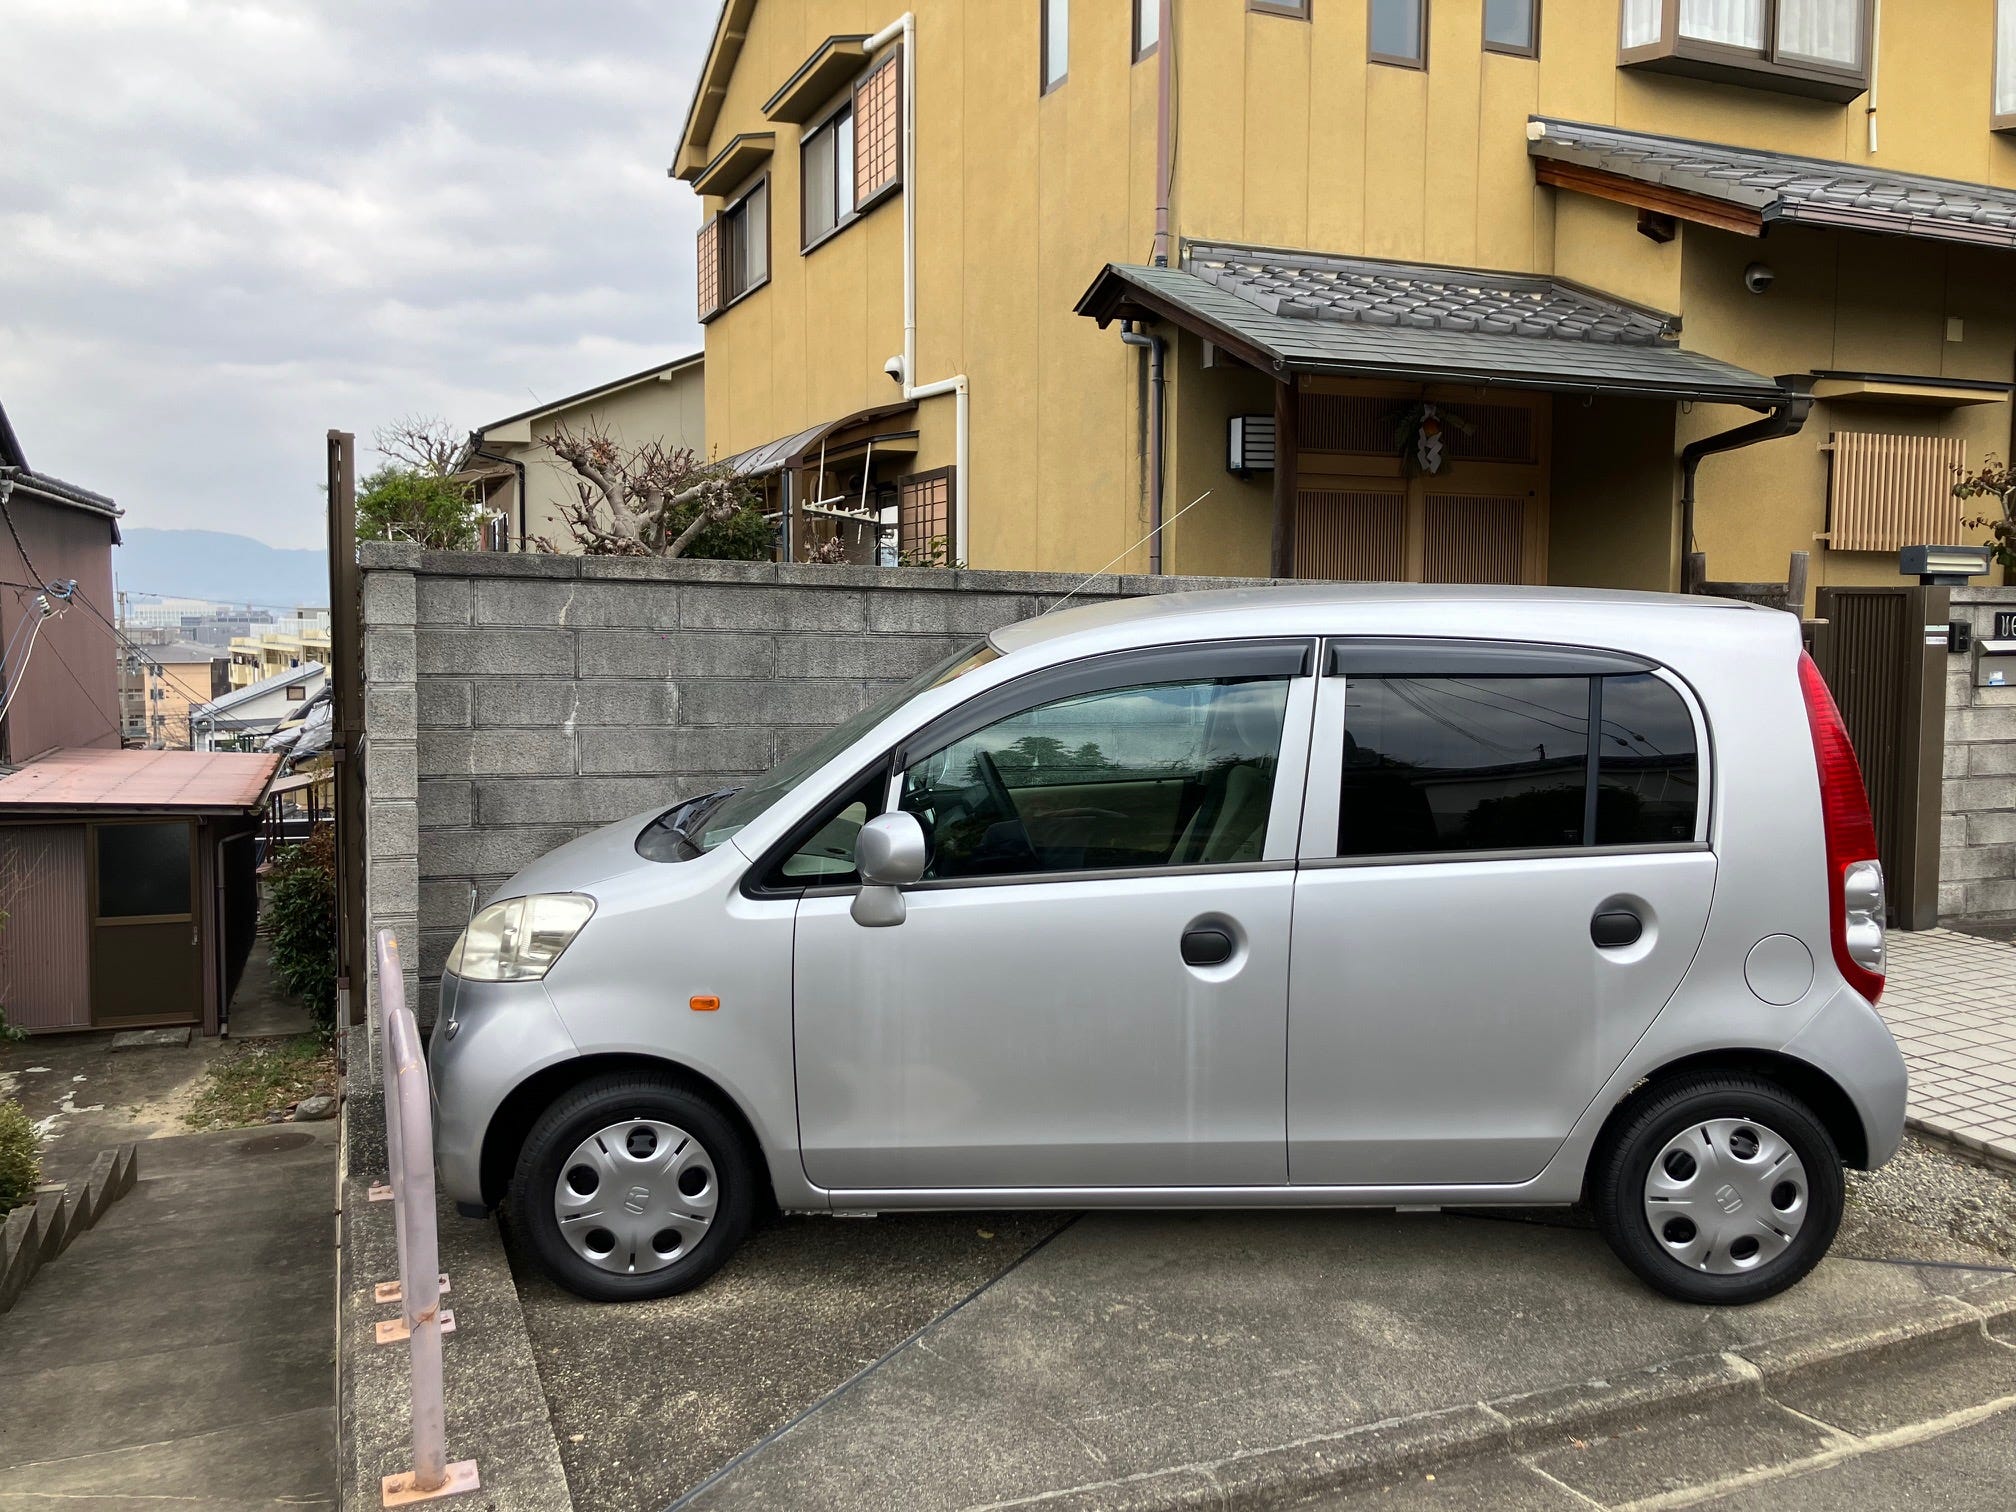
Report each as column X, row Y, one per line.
column 1307, row 312
column 97, row 778
column 1780, row 187
column 1420, row 297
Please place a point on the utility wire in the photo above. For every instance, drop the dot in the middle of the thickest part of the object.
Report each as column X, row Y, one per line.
column 6, row 493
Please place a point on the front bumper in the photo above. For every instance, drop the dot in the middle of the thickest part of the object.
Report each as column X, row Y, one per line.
column 490, row 1037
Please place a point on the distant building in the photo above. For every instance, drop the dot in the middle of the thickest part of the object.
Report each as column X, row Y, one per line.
column 243, row 718
column 522, row 486
column 161, row 682
column 287, row 646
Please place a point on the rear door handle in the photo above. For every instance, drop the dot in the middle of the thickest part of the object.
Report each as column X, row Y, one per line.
column 1616, row 928
column 1206, row 947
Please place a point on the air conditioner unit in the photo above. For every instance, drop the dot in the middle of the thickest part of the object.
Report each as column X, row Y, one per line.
column 1250, row 445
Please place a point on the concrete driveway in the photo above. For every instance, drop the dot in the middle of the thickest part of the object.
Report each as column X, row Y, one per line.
column 977, row 1360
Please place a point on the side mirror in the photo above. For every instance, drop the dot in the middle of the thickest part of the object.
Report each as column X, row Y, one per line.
column 890, row 853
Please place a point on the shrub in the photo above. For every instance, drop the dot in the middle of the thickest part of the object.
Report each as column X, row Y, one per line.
column 20, row 1161
column 301, row 920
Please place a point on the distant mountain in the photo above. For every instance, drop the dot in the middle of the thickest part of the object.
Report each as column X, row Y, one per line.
column 209, row 564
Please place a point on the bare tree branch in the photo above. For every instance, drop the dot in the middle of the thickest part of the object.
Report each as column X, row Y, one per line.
column 631, row 498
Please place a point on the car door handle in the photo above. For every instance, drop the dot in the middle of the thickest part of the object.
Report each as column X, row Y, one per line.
column 1206, row 947
column 1616, row 928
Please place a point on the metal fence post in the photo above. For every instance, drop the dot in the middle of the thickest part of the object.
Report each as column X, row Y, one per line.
column 409, row 1139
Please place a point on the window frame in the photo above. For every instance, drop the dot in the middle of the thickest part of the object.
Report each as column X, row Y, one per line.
column 818, row 123
column 1322, row 803
column 1140, row 8
column 1290, row 10
column 1759, row 68
column 719, row 221
column 1999, row 120
column 1045, row 85
column 1506, row 49
column 1418, row 64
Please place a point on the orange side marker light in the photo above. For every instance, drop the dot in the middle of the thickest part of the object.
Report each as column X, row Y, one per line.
column 704, row 1004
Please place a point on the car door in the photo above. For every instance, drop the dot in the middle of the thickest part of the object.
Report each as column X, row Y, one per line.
column 1493, row 903
column 1089, row 988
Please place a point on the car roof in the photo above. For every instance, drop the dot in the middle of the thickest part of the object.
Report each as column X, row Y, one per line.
column 1493, row 611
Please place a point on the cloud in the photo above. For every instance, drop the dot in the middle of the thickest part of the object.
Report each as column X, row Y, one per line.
column 234, row 224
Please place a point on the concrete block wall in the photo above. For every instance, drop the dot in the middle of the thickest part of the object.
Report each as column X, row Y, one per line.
column 513, row 702
column 1977, row 837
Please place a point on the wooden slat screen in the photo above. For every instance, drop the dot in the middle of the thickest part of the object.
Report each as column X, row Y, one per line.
column 1474, row 539
column 1891, row 491
column 1351, row 535
column 707, row 267
column 1369, row 426
column 924, row 515
column 878, row 131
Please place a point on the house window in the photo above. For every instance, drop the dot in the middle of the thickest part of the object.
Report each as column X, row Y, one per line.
column 1399, row 32
column 1817, row 48
column 1147, row 27
column 733, row 252
column 828, row 162
column 1512, row 26
column 1296, row 8
column 2005, row 65
column 1056, row 42
column 924, row 505
column 852, row 158
column 297, row 694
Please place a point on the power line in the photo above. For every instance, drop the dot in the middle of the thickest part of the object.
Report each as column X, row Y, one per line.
column 7, row 493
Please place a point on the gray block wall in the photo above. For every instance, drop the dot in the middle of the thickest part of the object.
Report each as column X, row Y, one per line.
column 514, row 702
column 1977, row 837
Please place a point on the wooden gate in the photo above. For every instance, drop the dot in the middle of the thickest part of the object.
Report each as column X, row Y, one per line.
column 1883, row 653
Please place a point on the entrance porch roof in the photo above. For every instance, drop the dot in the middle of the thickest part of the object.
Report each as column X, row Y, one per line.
column 1310, row 312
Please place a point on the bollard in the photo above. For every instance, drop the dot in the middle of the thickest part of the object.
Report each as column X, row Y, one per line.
column 409, row 1138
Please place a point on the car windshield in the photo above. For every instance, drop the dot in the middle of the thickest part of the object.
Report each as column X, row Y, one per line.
column 700, row 824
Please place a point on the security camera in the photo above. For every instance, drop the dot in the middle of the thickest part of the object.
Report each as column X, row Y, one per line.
column 1758, row 279
column 894, row 368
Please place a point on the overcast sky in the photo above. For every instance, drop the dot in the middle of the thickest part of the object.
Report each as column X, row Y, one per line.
column 229, row 225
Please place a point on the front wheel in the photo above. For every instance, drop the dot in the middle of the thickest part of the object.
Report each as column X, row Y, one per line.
column 632, row 1186
column 1719, row 1188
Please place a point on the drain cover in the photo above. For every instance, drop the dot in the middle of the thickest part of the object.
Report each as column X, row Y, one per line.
column 273, row 1144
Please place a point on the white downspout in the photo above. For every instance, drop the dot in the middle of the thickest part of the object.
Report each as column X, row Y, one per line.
column 905, row 27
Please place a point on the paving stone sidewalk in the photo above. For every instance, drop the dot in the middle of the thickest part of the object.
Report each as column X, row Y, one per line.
column 1951, row 1003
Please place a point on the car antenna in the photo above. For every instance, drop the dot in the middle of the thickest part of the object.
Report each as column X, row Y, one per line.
column 1080, row 588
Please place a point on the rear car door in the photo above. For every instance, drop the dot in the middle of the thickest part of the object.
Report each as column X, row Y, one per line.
column 1505, row 873
column 1090, row 986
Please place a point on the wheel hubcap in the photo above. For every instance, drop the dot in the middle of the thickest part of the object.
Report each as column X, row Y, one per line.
column 636, row 1196
column 1726, row 1196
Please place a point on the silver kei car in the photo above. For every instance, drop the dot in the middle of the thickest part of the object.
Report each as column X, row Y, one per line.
column 1300, row 897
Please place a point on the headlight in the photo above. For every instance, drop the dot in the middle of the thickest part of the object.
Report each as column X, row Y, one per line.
column 519, row 939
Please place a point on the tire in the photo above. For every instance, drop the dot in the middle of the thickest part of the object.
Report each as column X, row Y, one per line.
column 1745, row 1198
column 657, row 1185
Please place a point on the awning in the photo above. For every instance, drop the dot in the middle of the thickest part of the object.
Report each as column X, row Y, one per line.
column 797, row 449
column 1746, row 188
column 98, row 780
column 1310, row 312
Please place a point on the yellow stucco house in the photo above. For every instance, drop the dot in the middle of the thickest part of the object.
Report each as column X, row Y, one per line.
column 1456, row 290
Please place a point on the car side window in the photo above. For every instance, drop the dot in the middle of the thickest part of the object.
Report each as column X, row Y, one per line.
column 821, row 854
column 1160, row 774
column 1449, row 764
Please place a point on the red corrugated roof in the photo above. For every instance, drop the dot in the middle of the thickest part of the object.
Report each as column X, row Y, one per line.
column 90, row 778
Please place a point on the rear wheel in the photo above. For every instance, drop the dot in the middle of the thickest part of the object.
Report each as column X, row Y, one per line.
column 632, row 1186
column 1719, row 1188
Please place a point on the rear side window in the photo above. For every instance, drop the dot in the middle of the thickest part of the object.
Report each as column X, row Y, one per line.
column 1455, row 763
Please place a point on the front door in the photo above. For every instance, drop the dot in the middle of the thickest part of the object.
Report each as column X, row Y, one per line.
column 146, row 967
column 1505, row 875
column 1090, row 987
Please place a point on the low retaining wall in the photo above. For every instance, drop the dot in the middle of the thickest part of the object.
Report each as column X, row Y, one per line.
column 513, row 702
column 1977, row 835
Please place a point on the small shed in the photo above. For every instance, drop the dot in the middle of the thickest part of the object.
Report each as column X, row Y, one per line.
column 128, row 882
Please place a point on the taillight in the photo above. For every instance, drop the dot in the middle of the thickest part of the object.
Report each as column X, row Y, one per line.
column 1854, row 874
